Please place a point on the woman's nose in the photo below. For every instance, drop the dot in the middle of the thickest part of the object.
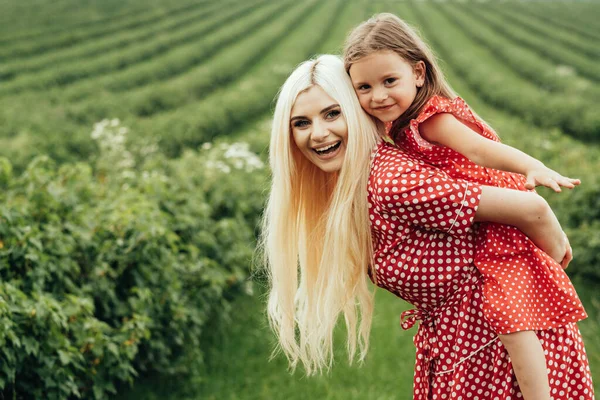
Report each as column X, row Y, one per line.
column 320, row 131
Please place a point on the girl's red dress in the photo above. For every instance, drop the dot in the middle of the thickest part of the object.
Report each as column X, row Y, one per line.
column 524, row 288
column 424, row 252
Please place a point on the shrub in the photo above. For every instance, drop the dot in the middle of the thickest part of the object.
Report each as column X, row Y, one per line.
column 116, row 266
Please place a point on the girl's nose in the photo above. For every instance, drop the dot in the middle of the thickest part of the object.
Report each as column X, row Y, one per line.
column 379, row 95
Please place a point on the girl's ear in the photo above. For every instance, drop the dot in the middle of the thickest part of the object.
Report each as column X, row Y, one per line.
column 419, row 70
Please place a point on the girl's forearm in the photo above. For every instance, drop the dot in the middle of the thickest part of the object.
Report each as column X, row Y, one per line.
column 502, row 157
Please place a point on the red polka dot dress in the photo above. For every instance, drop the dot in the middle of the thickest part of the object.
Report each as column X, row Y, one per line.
column 424, row 252
column 524, row 288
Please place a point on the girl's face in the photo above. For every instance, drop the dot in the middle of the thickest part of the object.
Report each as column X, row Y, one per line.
column 386, row 85
column 319, row 129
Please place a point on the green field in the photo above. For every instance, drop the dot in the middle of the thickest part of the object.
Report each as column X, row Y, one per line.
column 184, row 78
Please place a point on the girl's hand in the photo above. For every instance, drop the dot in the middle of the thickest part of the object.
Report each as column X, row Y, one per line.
column 546, row 177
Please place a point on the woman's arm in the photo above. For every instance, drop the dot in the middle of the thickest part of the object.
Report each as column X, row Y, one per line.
column 530, row 213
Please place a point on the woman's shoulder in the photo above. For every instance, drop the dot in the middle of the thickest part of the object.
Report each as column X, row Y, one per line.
column 389, row 158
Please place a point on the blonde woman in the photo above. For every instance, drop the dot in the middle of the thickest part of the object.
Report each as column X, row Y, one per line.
column 343, row 202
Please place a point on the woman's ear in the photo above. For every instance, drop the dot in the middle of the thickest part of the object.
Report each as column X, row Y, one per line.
column 419, row 70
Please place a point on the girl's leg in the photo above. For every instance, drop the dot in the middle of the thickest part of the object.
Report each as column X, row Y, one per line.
column 529, row 364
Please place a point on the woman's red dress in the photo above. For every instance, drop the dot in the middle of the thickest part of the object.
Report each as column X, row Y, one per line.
column 424, row 252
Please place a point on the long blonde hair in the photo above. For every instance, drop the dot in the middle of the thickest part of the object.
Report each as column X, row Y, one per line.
column 386, row 31
column 315, row 237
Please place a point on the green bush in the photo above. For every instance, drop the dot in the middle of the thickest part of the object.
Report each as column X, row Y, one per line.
column 585, row 240
column 116, row 266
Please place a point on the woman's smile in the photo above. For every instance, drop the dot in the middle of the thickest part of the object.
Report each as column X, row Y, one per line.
column 328, row 151
column 319, row 129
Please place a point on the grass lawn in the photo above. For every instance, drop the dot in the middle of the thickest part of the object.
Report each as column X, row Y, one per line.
column 237, row 365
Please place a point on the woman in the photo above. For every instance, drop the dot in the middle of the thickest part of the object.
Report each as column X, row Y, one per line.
column 317, row 242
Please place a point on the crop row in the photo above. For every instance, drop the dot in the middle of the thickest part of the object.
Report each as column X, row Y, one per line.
column 232, row 106
column 173, row 72
column 583, row 13
column 529, row 65
column 53, row 42
column 498, row 85
column 54, row 131
column 222, row 69
column 549, row 32
column 32, row 33
column 557, row 18
column 556, row 53
column 103, row 46
column 58, row 116
column 125, row 58
column 58, row 17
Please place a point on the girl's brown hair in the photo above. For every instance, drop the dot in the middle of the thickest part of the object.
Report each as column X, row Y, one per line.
column 386, row 31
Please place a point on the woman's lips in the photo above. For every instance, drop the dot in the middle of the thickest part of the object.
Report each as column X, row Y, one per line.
column 327, row 156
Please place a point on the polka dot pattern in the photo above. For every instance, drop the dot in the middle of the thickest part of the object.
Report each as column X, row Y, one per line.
column 524, row 288
column 425, row 247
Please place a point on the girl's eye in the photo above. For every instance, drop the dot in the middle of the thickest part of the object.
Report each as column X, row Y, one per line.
column 332, row 114
column 301, row 123
column 389, row 81
column 364, row 87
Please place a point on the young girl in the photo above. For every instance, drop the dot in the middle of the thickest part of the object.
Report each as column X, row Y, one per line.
column 398, row 81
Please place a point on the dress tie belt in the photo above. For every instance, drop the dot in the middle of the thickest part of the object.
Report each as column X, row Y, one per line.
column 426, row 339
column 427, row 349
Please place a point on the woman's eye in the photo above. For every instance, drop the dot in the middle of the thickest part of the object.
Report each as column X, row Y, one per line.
column 300, row 123
column 332, row 114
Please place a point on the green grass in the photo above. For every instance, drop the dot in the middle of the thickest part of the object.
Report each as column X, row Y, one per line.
column 238, row 366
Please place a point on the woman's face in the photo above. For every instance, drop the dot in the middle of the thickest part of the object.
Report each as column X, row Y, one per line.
column 319, row 129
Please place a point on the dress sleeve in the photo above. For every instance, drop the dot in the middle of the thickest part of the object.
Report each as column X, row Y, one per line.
column 425, row 196
column 437, row 105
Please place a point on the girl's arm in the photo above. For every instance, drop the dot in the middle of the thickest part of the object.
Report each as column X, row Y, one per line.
column 425, row 196
column 531, row 214
column 444, row 129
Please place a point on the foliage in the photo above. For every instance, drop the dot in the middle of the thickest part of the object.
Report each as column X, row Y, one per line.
column 115, row 267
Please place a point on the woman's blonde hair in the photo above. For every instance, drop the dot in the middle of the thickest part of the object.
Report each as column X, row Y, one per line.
column 315, row 237
column 386, row 31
